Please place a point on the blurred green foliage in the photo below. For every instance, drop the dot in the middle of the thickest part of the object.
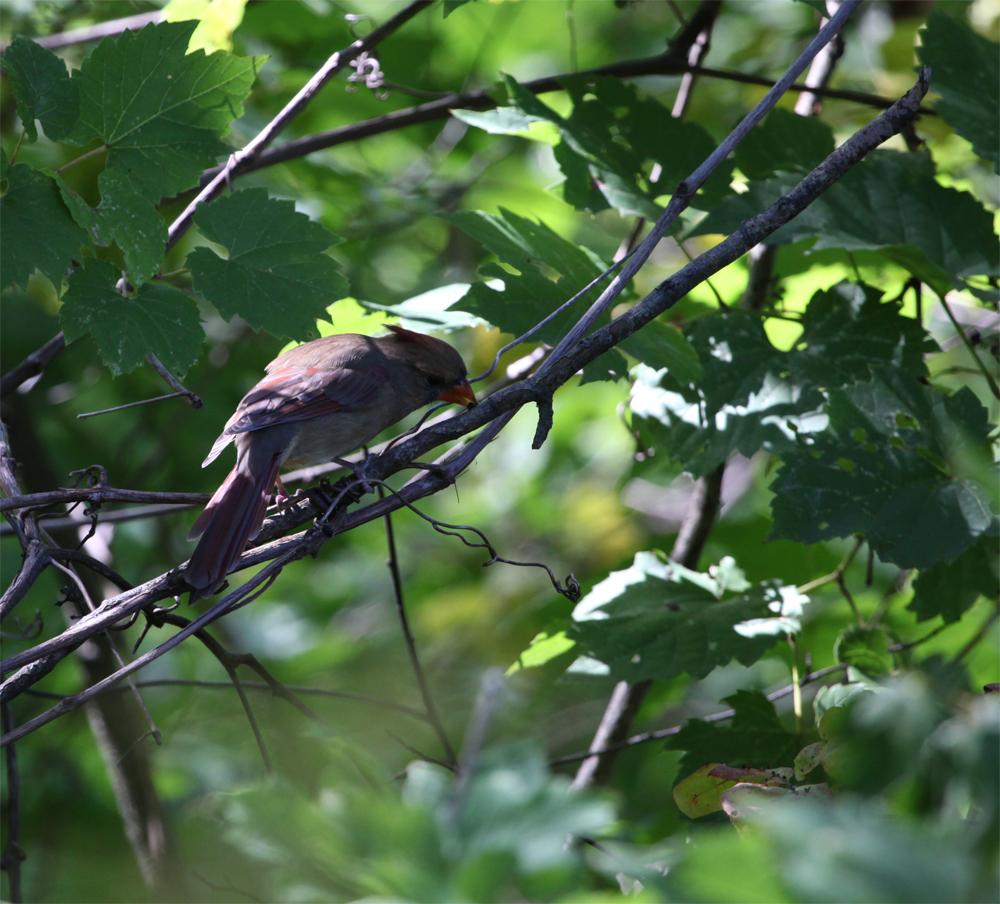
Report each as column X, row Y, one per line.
column 848, row 410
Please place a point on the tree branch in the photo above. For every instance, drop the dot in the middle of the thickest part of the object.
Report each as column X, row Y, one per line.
column 31, row 366
column 292, row 109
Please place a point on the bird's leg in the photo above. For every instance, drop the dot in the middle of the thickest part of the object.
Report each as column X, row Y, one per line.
column 282, row 495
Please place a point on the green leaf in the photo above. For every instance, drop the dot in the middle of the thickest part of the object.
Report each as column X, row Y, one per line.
column 883, row 468
column 890, row 202
column 754, row 737
column 84, row 215
column 701, row 792
column 587, row 133
column 217, row 20
column 657, row 619
column 42, row 88
column 966, row 69
column 159, row 110
column 528, row 295
column 277, row 277
column 160, row 320
column 431, row 310
column 835, row 696
column 132, row 221
column 543, row 648
column 948, row 589
column 818, row 5
column 659, row 346
column 609, row 141
column 610, row 366
column 788, row 619
column 501, row 121
column 38, row 230
column 704, row 791
column 784, row 142
column 511, row 803
column 451, row 5
column 863, row 852
column 865, row 649
column 679, row 146
column 753, row 395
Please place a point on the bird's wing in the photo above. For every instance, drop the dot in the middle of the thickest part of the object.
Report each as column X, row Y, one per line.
column 299, row 393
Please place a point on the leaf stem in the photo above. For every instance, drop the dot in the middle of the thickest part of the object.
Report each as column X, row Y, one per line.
column 82, row 157
column 20, row 139
column 836, row 573
column 980, row 634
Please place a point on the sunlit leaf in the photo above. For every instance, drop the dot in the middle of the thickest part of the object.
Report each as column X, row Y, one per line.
column 276, row 277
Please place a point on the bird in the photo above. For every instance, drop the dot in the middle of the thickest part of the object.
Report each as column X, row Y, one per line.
column 319, row 401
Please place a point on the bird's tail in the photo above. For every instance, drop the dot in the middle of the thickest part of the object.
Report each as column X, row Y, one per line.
column 232, row 517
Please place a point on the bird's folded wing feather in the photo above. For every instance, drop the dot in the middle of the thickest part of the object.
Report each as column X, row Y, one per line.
column 297, row 394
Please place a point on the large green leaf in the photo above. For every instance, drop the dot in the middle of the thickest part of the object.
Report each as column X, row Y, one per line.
column 660, row 346
column 754, row 737
column 891, row 203
column 658, row 619
column 127, row 218
column 755, row 396
column 277, row 277
column 159, row 319
column 609, row 142
column 42, row 88
column 889, row 465
column 38, row 229
column 527, row 295
column 784, row 142
column 966, row 70
column 160, row 110
column 948, row 589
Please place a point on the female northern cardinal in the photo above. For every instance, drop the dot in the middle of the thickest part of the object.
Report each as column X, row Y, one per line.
column 319, row 401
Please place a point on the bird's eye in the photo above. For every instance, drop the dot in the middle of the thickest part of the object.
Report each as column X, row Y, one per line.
column 434, row 382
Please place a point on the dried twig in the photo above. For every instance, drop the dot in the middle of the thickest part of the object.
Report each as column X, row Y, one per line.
column 411, row 645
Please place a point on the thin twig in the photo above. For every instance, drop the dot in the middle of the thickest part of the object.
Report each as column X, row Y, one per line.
column 173, row 382
column 664, row 64
column 411, row 644
column 100, row 30
column 967, row 342
column 296, row 105
column 834, row 575
column 13, row 853
column 98, row 495
column 226, row 604
column 661, row 733
column 979, row 635
column 170, row 395
column 451, row 767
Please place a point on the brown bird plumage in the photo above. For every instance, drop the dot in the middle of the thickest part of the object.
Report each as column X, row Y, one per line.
column 320, row 401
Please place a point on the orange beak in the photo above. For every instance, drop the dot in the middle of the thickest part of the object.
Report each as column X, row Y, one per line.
column 460, row 394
